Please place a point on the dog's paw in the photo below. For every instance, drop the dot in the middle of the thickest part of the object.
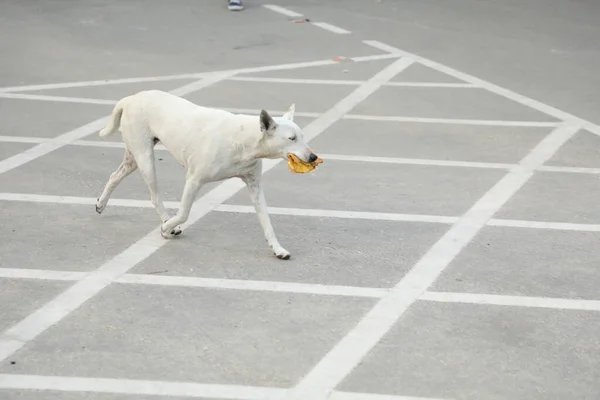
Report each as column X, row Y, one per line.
column 99, row 207
column 282, row 254
column 174, row 232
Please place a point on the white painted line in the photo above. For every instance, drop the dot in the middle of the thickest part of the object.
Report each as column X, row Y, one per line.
column 387, row 48
column 453, row 121
column 106, row 82
column 43, row 198
column 375, row 57
column 209, row 283
column 138, row 387
column 53, row 144
column 22, row 273
column 574, row 170
column 435, row 85
column 416, row 161
column 291, row 66
column 348, row 353
column 301, row 81
column 296, row 80
column 386, row 118
column 9, row 347
column 304, row 212
column 167, row 388
column 370, row 396
column 509, row 94
column 262, row 286
column 79, row 100
column 68, row 301
column 85, row 130
column 22, row 139
column 252, row 111
column 195, row 76
column 560, row 226
column 515, row 301
column 283, row 11
column 107, row 144
column 307, row 64
column 331, row 28
column 341, row 157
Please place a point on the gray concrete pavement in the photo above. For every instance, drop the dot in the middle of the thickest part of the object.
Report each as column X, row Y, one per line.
column 444, row 250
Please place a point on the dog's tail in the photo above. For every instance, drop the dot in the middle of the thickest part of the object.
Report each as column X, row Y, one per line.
column 115, row 119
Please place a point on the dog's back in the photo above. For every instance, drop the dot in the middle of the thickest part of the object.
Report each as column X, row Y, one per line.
column 183, row 127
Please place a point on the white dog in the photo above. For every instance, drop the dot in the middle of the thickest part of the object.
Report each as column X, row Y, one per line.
column 211, row 144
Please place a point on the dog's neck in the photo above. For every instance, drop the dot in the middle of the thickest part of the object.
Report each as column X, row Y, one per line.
column 249, row 142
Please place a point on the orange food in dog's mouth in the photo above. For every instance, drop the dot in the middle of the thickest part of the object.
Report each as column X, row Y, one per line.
column 300, row 167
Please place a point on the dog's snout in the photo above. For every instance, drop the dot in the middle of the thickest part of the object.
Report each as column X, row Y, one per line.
column 312, row 158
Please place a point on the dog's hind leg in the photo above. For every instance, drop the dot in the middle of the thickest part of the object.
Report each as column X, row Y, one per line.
column 143, row 152
column 190, row 191
column 254, row 185
column 127, row 167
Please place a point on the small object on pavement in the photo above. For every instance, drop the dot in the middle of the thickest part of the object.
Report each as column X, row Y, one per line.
column 300, row 167
column 235, row 5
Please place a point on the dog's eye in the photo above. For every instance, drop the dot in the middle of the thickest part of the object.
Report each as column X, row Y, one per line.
column 293, row 138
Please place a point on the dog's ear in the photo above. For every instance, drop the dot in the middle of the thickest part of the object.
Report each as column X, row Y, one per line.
column 290, row 112
column 267, row 124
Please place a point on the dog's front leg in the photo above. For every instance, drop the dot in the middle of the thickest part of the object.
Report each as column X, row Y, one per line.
column 190, row 191
column 253, row 182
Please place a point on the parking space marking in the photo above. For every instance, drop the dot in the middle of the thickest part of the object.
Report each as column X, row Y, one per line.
column 261, row 286
column 43, row 274
column 339, row 157
column 515, row 301
column 199, row 75
column 417, row 161
column 371, row 396
column 307, row 212
column 573, row 170
column 309, row 289
column 168, row 388
column 559, row 226
column 69, row 300
column 435, row 85
column 454, row 121
column 90, row 201
column 22, row 139
column 349, row 352
column 138, row 387
column 509, row 94
column 50, row 145
column 283, row 11
column 78, row 100
column 331, row 28
column 391, row 118
column 104, row 82
column 296, row 81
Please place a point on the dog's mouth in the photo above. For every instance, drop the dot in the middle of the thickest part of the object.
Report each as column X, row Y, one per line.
column 295, row 164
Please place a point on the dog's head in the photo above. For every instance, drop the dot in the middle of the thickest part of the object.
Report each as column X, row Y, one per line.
column 283, row 137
